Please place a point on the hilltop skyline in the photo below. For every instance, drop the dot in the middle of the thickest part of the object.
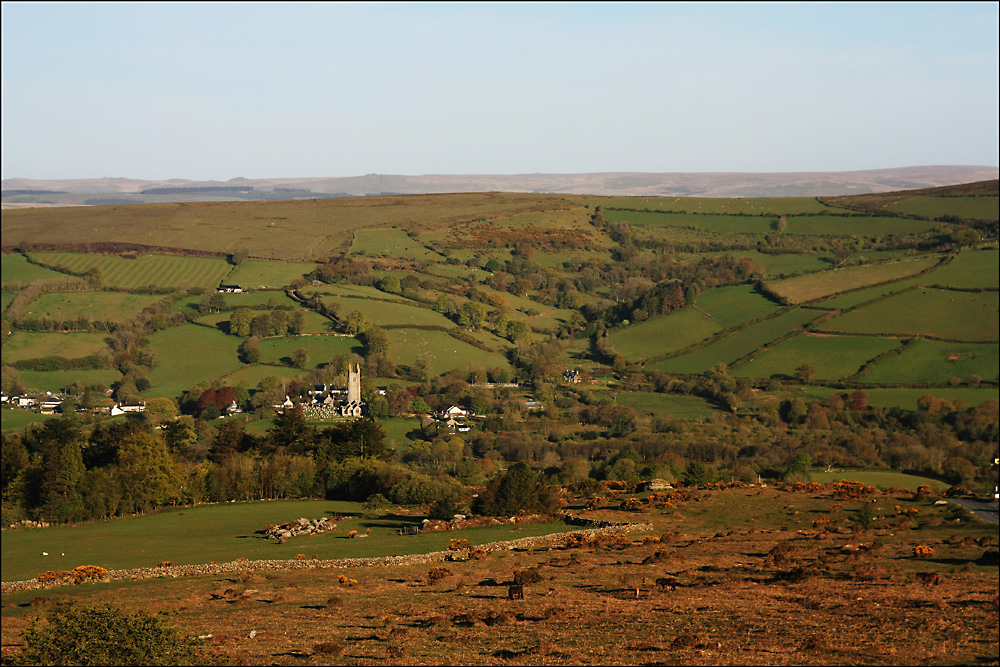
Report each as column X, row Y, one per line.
column 257, row 90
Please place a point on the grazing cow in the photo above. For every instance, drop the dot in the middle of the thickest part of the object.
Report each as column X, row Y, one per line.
column 928, row 578
column 663, row 582
column 515, row 593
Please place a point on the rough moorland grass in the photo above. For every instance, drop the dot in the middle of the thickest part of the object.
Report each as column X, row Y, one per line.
column 225, row 532
column 907, row 398
column 113, row 306
column 938, row 362
column 662, row 335
column 27, row 345
column 56, row 381
column 15, row 419
column 970, row 269
column 189, row 354
column 445, row 352
column 17, row 269
column 964, row 316
column 738, row 344
column 969, row 208
column 391, row 242
column 817, row 285
column 663, row 405
column 734, row 305
column 253, row 274
column 881, row 479
column 301, row 230
column 160, row 270
column 320, row 348
column 833, row 357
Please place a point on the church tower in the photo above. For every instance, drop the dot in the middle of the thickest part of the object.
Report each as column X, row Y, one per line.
column 354, row 384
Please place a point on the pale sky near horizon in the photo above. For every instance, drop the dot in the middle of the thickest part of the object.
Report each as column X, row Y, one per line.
column 214, row 91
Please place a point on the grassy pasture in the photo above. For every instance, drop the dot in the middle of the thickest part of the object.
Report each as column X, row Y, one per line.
column 752, row 206
column 29, row 345
column 17, row 269
column 320, row 348
column 968, row 208
column 250, row 376
column 253, row 274
column 833, row 357
column 964, row 316
column 348, row 290
column 738, row 344
column 159, row 270
column 392, row 243
column 938, row 361
column 385, row 313
column 733, row 305
column 445, row 352
column 6, row 297
column 832, row 225
column 55, row 381
column 776, row 265
column 15, row 419
column 663, row 405
column 113, row 306
column 907, row 397
column 662, row 335
column 881, row 479
column 853, row 299
column 225, row 532
column 970, row 269
column 189, row 354
column 824, row 283
column 708, row 223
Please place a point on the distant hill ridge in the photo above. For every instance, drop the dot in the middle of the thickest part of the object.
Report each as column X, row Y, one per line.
column 18, row 191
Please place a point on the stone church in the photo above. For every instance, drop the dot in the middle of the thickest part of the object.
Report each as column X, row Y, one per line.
column 353, row 406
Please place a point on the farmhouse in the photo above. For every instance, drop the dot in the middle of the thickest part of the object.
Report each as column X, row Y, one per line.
column 454, row 411
column 232, row 289
column 573, row 377
column 125, row 408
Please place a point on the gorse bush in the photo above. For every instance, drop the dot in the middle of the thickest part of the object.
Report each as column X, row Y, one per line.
column 103, row 635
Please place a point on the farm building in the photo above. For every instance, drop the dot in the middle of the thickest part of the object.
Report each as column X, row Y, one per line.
column 232, row 289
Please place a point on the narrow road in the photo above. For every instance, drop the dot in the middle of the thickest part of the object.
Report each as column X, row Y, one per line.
column 988, row 511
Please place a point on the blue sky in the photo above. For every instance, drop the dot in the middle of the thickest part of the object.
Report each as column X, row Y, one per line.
column 260, row 90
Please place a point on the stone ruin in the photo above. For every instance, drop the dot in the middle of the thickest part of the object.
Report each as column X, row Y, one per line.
column 284, row 531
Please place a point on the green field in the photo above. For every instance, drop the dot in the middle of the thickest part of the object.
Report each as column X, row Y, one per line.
column 907, row 398
column 320, row 348
column 15, row 419
column 881, row 479
column 108, row 306
column 6, row 297
column 729, row 224
column 971, row 269
column 159, row 270
column 390, row 314
column 969, row 208
column 178, row 369
column 445, row 352
column 29, row 345
column 833, row 357
column 825, row 283
column 257, row 274
column 260, row 299
column 964, row 316
column 250, row 376
column 225, row 532
column 937, row 362
column 853, row 299
column 832, row 225
column 750, row 206
column 730, row 306
column 738, row 344
column 56, row 381
column 17, row 269
column 667, row 405
column 662, row 335
column 784, row 264
column 391, row 242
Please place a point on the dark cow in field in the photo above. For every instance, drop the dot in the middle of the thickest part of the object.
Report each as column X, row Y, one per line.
column 928, row 578
column 515, row 593
column 663, row 582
